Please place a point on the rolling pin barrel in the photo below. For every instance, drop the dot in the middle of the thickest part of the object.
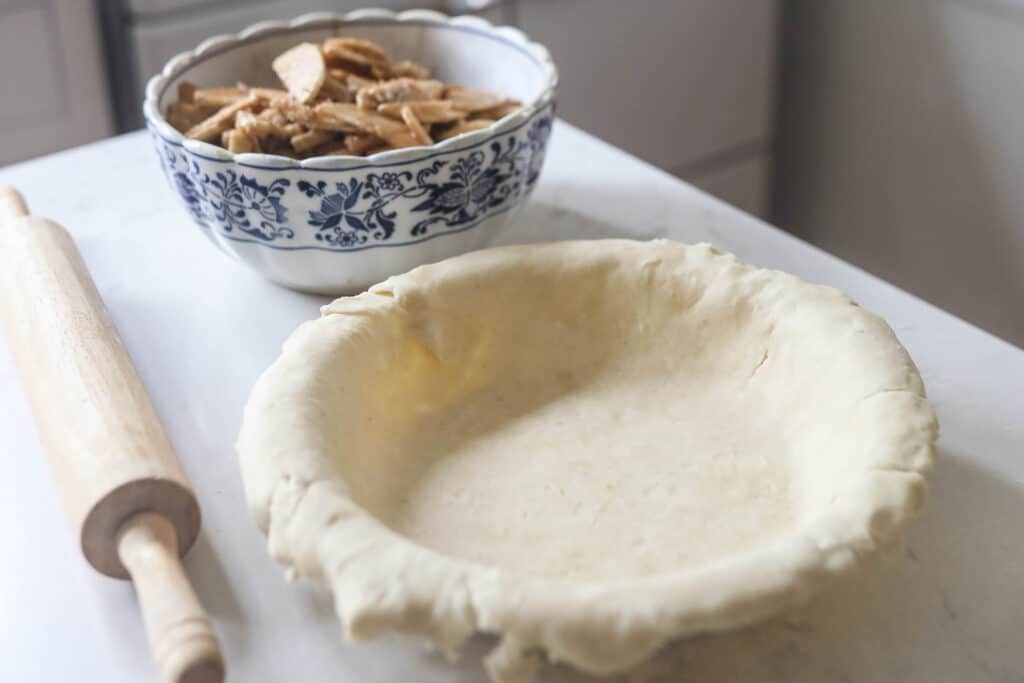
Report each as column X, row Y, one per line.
column 124, row 491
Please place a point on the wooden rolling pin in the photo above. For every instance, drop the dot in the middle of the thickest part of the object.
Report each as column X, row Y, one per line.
column 123, row 488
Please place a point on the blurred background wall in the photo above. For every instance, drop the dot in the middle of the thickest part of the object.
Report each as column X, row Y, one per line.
column 889, row 132
column 901, row 146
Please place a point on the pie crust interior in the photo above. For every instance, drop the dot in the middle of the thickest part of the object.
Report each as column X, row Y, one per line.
column 587, row 448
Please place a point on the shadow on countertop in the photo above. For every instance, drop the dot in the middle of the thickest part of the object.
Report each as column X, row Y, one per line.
column 541, row 221
column 946, row 606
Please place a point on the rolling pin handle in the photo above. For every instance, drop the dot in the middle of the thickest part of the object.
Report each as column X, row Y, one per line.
column 180, row 636
column 12, row 204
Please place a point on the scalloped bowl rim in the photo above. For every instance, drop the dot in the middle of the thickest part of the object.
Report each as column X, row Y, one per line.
column 213, row 47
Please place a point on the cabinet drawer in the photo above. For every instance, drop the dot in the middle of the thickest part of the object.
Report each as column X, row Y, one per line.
column 145, row 7
column 33, row 74
column 672, row 82
column 54, row 88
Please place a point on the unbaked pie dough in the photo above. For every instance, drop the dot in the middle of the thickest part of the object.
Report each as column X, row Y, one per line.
column 587, row 448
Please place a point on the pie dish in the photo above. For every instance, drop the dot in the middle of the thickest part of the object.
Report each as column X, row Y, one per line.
column 585, row 448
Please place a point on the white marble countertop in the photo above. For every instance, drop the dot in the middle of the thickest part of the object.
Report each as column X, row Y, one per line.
column 949, row 606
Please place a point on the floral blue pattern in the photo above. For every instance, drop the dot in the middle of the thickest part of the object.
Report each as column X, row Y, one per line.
column 341, row 221
column 237, row 202
column 171, row 162
column 368, row 207
column 228, row 200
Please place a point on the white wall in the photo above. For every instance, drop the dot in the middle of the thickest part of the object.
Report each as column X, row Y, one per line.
column 901, row 146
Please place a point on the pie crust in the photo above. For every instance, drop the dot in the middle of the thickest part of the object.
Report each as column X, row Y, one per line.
column 585, row 448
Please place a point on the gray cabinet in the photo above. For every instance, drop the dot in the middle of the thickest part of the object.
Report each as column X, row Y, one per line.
column 684, row 84
column 54, row 85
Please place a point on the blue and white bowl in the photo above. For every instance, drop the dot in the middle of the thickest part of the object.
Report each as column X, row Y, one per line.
column 337, row 224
